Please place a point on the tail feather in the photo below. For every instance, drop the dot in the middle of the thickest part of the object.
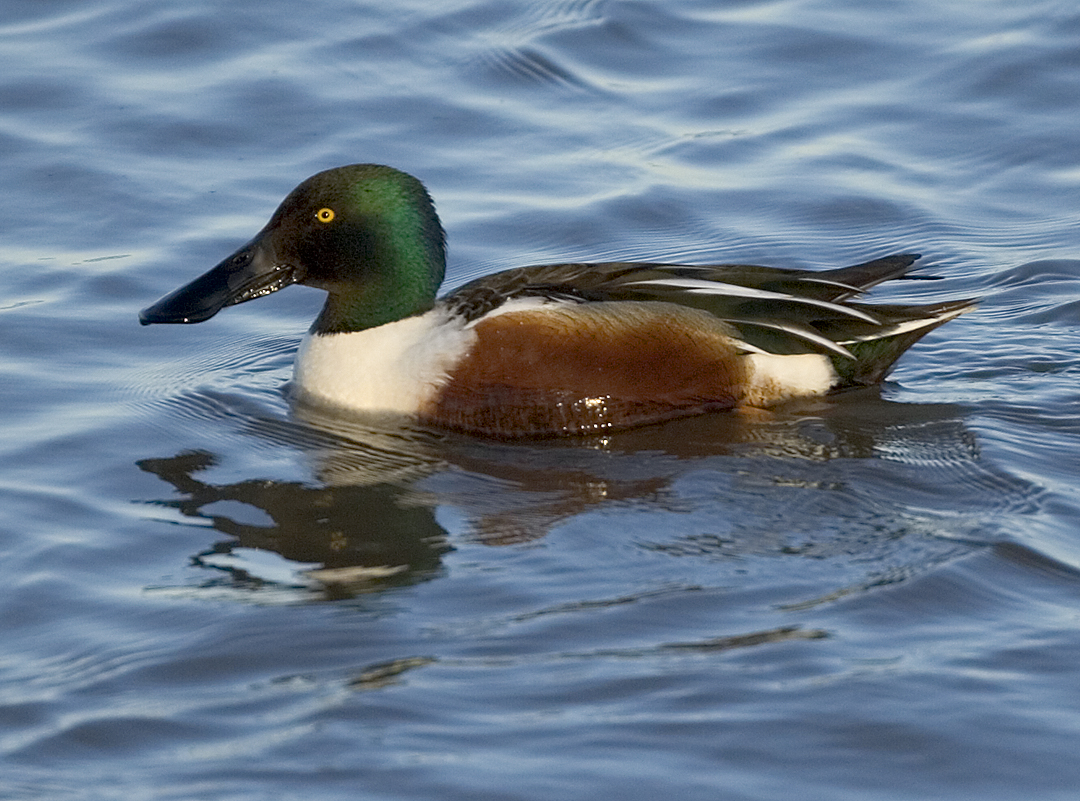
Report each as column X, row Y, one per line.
column 870, row 273
column 876, row 352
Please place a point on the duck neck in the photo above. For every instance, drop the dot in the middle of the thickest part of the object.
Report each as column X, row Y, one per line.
column 376, row 302
column 398, row 278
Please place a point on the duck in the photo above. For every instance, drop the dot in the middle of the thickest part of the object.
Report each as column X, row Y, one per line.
column 549, row 350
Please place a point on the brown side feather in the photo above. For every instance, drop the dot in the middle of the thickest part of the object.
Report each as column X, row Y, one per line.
column 590, row 368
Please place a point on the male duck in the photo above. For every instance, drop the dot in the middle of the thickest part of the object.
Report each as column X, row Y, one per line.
column 546, row 350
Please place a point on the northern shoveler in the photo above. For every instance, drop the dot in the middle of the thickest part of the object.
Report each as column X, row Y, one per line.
column 546, row 350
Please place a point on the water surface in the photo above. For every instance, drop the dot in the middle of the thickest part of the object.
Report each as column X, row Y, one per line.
column 209, row 594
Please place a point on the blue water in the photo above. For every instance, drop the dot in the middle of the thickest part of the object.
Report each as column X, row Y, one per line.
column 208, row 594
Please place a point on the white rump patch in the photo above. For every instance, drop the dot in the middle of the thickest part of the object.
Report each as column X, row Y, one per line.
column 775, row 378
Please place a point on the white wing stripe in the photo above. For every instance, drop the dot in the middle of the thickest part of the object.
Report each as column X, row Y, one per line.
column 802, row 333
column 700, row 287
column 904, row 327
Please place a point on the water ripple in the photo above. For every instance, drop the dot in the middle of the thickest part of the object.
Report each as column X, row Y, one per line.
column 633, row 616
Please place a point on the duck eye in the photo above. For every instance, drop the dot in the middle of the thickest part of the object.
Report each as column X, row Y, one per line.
column 324, row 215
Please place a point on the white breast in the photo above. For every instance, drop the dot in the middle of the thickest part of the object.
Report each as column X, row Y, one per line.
column 397, row 367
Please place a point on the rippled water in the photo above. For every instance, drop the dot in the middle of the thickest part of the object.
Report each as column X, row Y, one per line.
column 208, row 594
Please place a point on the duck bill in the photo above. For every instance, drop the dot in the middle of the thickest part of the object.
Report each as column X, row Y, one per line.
column 251, row 272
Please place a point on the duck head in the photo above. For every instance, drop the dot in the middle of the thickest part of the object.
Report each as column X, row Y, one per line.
column 366, row 234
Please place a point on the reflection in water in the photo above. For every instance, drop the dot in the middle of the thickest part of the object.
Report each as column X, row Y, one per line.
column 369, row 519
column 359, row 536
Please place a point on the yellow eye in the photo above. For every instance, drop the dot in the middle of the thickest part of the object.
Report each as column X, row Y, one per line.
column 324, row 215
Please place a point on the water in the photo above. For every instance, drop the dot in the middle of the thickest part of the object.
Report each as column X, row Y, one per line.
column 208, row 594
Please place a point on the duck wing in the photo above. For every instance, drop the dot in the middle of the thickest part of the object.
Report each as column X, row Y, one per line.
column 773, row 309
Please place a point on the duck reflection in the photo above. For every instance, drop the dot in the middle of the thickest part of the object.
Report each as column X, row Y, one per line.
column 368, row 521
column 357, row 537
